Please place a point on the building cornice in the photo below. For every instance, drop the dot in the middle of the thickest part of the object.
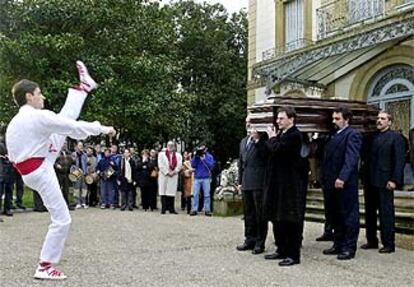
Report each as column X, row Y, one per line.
column 367, row 35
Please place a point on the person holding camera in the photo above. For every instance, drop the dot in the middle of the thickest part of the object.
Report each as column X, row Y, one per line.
column 202, row 164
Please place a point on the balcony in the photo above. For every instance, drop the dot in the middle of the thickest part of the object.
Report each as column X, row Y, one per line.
column 288, row 47
column 338, row 15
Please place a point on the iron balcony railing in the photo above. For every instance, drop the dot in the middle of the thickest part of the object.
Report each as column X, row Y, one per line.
column 288, row 47
column 340, row 14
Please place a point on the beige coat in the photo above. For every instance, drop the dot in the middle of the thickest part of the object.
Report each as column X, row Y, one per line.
column 167, row 185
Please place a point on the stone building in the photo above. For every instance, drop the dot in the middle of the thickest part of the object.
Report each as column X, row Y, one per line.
column 357, row 50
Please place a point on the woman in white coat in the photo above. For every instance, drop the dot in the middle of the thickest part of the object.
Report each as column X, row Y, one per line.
column 169, row 164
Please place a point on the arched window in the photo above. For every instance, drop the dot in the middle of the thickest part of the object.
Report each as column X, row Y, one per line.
column 393, row 89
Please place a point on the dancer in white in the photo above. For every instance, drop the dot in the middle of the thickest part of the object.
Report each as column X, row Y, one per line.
column 34, row 139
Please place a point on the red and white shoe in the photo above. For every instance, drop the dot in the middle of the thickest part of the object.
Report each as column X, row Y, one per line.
column 86, row 81
column 48, row 272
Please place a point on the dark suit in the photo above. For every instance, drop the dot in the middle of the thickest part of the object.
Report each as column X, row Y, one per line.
column 127, row 187
column 144, row 182
column 386, row 159
column 285, row 191
column 252, row 165
column 341, row 162
column 7, row 177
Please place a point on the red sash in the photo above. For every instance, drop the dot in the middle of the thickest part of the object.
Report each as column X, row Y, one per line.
column 29, row 165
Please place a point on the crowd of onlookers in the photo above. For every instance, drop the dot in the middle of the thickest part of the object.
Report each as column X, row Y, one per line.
column 118, row 177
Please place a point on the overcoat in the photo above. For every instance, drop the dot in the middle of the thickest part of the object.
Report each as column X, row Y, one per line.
column 283, row 187
column 167, row 185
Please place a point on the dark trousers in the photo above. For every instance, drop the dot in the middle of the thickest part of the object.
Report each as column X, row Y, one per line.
column 183, row 200
column 19, row 189
column 115, row 192
column 288, row 238
column 212, row 190
column 146, row 197
column 92, row 194
column 126, row 195
column 134, row 197
column 167, row 203
column 344, row 207
column 328, row 228
column 255, row 226
column 381, row 200
column 64, row 186
column 188, row 204
column 153, row 196
column 6, row 188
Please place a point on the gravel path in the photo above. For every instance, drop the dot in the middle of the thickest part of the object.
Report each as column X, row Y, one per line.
column 113, row 248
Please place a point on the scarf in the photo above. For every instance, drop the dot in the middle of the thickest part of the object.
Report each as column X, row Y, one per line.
column 172, row 161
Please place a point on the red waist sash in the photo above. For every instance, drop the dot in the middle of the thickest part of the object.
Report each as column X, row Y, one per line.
column 29, row 165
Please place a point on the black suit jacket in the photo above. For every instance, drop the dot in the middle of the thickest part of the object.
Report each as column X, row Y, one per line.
column 252, row 164
column 341, row 158
column 284, row 188
column 133, row 171
column 386, row 159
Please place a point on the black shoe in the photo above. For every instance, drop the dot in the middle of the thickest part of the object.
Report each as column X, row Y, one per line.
column 387, row 249
column 244, row 247
column 40, row 210
column 208, row 214
column 274, row 256
column 369, row 246
column 193, row 213
column 257, row 250
column 332, row 251
column 288, row 262
column 325, row 237
column 345, row 255
column 8, row 213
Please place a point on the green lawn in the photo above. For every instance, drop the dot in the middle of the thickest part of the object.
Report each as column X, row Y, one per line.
column 28, row 198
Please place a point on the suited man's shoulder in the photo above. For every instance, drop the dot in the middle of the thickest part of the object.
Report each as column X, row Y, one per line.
column 244, row 139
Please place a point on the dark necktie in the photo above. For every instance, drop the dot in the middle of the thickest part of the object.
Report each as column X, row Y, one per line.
column 249, row 144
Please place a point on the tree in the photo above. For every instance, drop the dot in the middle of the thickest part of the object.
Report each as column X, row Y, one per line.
column 165, row 71
column 212, row 47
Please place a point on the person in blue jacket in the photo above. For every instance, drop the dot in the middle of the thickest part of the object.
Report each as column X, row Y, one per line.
column 202, row 164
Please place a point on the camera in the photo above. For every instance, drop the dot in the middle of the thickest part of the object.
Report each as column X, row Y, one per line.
column 200, row 151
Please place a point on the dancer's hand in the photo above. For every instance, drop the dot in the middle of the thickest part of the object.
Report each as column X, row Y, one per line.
column 111, row 132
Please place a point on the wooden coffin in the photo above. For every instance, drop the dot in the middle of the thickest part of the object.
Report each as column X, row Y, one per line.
column 313, row 114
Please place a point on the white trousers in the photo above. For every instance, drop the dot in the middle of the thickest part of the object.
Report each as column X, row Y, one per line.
column 45, row 182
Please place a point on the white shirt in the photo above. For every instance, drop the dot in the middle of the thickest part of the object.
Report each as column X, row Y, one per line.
column 29, row 131
column 128, row 171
